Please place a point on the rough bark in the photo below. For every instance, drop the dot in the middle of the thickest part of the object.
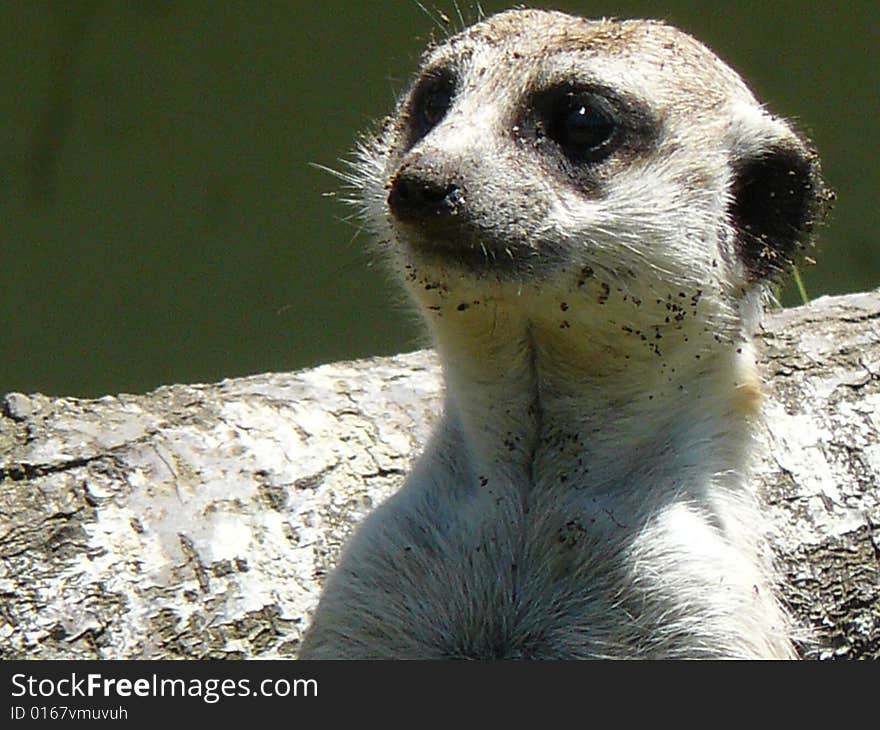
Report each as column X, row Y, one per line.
column 199, row 520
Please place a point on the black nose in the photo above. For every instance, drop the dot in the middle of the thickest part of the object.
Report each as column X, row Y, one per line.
column 418, row 193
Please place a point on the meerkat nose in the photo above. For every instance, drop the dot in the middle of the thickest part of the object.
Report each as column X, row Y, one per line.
column 419, row 192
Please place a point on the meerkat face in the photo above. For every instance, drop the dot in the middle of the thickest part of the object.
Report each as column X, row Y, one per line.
column 539, row 151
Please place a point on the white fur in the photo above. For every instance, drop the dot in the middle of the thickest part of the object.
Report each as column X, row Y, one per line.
column 587, row 491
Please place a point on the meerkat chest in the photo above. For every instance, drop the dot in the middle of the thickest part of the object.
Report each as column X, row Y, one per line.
column 547, row 545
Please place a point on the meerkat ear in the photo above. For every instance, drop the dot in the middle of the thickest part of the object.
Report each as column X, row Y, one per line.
column 777, row 196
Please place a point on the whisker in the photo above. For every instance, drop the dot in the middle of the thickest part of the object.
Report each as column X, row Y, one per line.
column 438, row 21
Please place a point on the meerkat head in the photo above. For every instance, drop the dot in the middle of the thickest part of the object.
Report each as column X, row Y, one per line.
column 537, row 154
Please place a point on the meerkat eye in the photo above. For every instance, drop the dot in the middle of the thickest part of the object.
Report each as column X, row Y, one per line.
column 430, row 103
column 435, row 105
column 583, row 125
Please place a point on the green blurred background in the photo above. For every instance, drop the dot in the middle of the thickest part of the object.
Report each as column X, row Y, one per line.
column 160, row 219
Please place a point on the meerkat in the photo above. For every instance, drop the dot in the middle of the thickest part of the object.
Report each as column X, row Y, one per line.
column 588, row 215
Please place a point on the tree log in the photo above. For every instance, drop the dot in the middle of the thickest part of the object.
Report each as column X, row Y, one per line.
column 198, row 521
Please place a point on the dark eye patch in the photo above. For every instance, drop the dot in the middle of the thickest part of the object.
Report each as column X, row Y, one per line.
column 583, row 124
column 581, row 131
column 429, row 103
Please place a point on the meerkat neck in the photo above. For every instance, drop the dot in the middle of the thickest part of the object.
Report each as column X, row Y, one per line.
column 538, row 410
